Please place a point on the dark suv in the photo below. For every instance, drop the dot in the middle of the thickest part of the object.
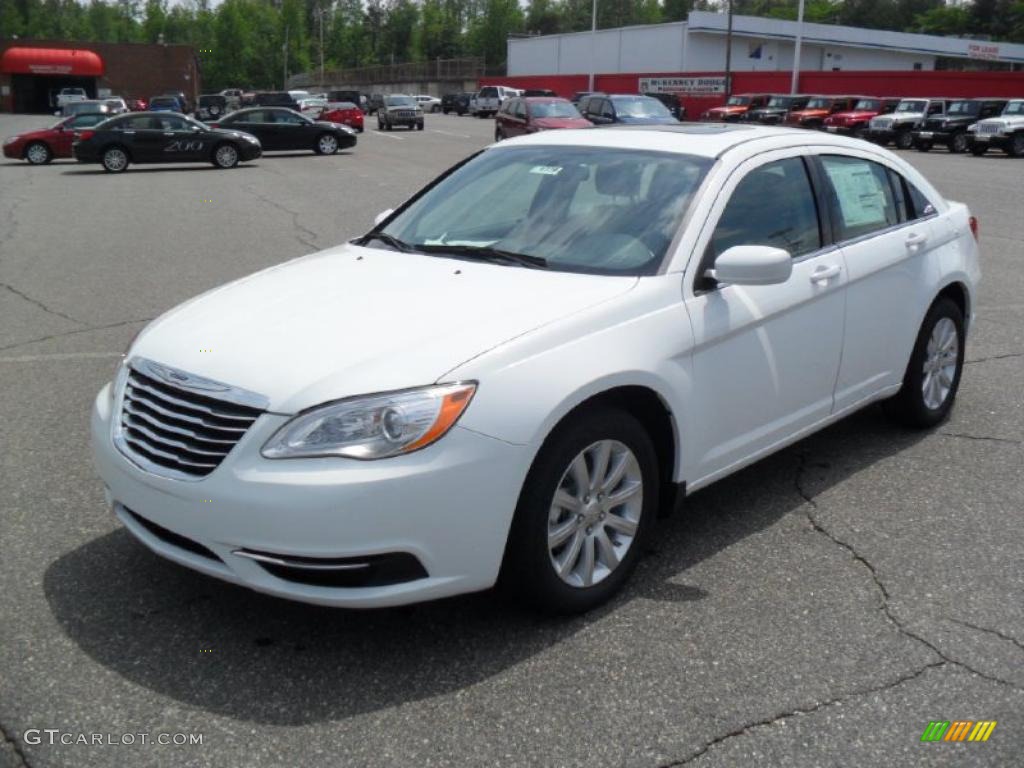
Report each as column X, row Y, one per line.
column 671, row 102
column 776, row 110
column 950, row 129
column 275, row 99
column 628, row 109
column 353, row 97
column 455, row 102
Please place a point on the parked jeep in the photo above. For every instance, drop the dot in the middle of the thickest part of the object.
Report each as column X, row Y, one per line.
column 1005, row 132
column 898, row 127
column 455, row 102
column 950, row 129
column 399, row 109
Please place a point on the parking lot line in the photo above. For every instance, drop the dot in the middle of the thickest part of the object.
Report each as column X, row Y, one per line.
column 59, row 356
column 386, row 135
column 449, row 133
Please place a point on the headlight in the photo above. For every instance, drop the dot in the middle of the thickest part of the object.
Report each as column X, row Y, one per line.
column 11, row 140
column 373, row 426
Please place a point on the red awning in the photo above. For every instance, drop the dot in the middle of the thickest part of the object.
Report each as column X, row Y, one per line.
column 51, row 61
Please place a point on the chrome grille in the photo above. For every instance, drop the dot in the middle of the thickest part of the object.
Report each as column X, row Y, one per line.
column 989, row 127
column 174, row 430
column 881, row 123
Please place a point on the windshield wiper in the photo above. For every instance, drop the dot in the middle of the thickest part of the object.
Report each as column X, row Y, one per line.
column 487, row 253
column 384, row 237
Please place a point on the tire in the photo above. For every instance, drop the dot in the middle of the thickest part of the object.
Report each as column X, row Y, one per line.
column 529, row 567
column 326, row 144
column 388, row 126
column 359, row 129
column 1016, row 145
column 225, row 156
column 497, row 134
column 978, row 149
column 115, row 159
column 959, row 143
column 419, row 126
column 904, row 140
column 916, row 405
column 38, row 153
column 380, row 125
column 923, row 146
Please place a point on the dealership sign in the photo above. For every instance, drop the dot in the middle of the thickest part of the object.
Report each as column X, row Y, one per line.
column 687, row 86
column 50, row 69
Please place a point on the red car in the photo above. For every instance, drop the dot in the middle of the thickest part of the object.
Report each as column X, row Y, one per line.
column 40, row 147
column 519, row 116
column 855, row 122
column 138, row 105
column 344, row 112
column 736, row 107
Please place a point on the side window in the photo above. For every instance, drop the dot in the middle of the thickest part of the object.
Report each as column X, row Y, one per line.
column 918, row 207
column 773, row 205
column 935, row 108
column 862, row 197
column 520, row 109
column 607, row 110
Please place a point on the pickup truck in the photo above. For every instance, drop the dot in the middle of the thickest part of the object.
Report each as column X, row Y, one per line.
column 68, row 95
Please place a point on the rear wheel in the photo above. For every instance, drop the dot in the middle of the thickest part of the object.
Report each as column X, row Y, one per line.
column 37, row 153
column 114, row 160
column 326, row 144
column 978, row 149
column 584, row 513
column 497, row 134
column 959, row 143
column 904, row 140
column 933, row 373
column 923, row 146
column 225, row 156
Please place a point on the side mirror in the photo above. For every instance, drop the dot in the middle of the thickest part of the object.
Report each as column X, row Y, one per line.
column 382, row 215
column 57, row 113
column 752, row 265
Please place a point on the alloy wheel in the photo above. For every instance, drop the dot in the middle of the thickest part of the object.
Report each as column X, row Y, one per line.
column 37, row 154
column 328, row 145
column 115, row 160
column 595, row 513
column 940, row 363
column 227, row 156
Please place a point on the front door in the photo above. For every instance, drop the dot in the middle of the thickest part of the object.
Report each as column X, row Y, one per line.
column 765, row 357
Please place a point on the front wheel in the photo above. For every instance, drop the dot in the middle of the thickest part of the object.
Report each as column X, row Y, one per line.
column 38, row 153
column 419, row 126
column 933, row 373
column 959, row 143
column 497, row 134
column 225, row 156
column 326, row 145
column 904, row 140
column 584, row 513
column 1016, row 148
column 978, row 149
column 923, row 146
column 115, row 160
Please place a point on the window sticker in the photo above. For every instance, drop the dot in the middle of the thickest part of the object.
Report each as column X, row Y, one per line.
column 861, row 197
column 546, row 170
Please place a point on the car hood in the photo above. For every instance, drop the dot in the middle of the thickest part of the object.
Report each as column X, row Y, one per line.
column 729, row 110
column 562, row 122
column 354, row 320
column 800, row 114
column 45, row 133
column 859, row 115
column 648, row 120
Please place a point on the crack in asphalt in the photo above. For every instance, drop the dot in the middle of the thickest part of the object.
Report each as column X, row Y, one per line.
column 993, row 357
column 38, row 303
column 810, row 506
column 965, row 436
column 767, row 721
column 74, row 332
column 300, row 229
column 15, row 746
column 987, row 630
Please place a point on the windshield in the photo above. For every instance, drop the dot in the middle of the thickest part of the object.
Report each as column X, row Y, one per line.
column 582, row 209
column 737, row 101
column 869, row 105
column 640, row 106
column 400, row 101
column 488, row 93
column 1014, row 108
column 162, row 102
column 553, row 109
column 779, row 101
column 910, row 106
column 819, row 104
column 963, row 108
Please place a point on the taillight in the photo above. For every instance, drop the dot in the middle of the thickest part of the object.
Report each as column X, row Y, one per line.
column 84, row 135
column 974, row 226
column 214, row 125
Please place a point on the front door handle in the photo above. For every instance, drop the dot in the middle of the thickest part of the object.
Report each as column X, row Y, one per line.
column 915, row 239
column 824, row 272
column 168, row 133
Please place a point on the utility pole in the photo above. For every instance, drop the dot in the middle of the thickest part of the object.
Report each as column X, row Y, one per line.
column 796, row 48
column 593, row 44
column 320, row 15
column 728, row 53
column 284, row 80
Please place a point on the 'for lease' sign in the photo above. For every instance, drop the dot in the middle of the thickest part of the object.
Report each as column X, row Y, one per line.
column 689, row 86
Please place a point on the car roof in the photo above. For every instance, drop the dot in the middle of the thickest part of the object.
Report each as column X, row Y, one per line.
column 541, row 99
column 702, row 139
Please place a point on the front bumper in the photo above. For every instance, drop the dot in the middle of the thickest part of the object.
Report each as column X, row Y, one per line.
column 932, row 136
column 449, row 506
column 998, row 140
column 14, row 151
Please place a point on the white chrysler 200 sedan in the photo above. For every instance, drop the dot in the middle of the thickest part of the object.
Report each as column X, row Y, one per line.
column 511, row 374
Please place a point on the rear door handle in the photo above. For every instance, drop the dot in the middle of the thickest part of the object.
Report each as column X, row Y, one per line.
column 915, row 239
column 168, row 133
column 824, row 272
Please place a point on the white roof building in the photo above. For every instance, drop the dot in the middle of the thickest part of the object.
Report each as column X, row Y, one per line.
column 759, row 44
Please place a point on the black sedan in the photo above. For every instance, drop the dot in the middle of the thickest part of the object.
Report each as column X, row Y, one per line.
column 161, row 137
column 279, row 129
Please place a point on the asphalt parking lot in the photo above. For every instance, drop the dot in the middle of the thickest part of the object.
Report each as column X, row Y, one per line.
column 817, row 609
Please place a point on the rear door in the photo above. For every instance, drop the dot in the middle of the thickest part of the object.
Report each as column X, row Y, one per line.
column 885, row 238
column 180, row 143
column 254, row 122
